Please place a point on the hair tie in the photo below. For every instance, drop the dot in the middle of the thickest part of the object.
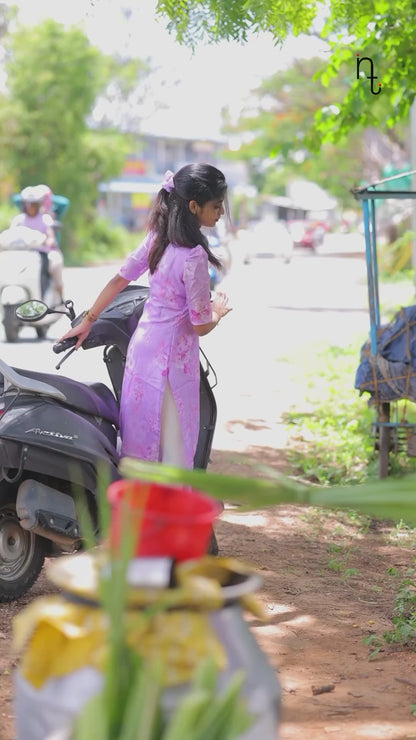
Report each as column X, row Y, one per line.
column 168, row 183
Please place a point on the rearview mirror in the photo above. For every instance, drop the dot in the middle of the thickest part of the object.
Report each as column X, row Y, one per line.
column 31, row 311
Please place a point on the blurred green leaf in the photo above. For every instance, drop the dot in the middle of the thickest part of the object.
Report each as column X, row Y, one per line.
column 92, row 721
column 385, row 499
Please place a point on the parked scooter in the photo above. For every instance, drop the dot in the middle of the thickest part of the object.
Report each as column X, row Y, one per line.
column 58, row 436
column 24, row 275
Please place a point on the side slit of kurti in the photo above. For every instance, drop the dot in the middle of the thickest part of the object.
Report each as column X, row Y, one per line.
column 172, row 448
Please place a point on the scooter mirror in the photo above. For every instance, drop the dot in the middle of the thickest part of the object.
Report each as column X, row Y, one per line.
column 31, row 310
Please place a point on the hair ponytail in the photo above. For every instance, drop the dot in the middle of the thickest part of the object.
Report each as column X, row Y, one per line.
column 158, row 224
column 172, row 222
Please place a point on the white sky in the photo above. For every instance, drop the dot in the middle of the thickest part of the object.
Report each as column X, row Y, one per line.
column 215, row 76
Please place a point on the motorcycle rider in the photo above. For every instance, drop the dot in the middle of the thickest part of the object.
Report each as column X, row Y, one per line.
column 34, row 217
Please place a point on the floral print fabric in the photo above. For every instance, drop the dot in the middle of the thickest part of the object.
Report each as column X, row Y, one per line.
column 163, row 346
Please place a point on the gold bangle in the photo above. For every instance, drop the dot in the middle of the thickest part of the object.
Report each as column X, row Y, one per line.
column 90, row 316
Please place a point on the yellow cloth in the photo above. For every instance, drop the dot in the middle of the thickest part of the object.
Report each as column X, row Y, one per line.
column 57, row 637
column 66, row 637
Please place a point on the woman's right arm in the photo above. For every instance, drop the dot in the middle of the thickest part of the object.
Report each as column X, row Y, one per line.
column 108, row 293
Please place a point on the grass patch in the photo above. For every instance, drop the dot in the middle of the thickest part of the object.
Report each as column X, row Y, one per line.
column 344, row 524
column 330, row 428
column 331, row 439
column 403, row 535
column 403, row 633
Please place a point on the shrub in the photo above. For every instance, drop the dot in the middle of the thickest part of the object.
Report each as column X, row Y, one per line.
column 100, row 241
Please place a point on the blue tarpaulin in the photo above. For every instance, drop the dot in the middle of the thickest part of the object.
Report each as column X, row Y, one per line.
column 390, row 374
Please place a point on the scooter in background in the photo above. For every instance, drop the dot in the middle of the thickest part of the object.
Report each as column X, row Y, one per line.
column 59, row 438
column 58, row 207
column 24, row 275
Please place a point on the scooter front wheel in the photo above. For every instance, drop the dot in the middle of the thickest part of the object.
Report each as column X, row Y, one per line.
column 41, row 331
column 11, row 324
column 22, row 553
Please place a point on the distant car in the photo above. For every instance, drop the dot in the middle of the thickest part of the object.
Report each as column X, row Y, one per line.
column 306, row 233
column 268, row 238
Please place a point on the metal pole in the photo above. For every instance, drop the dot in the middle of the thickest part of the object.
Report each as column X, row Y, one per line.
column 375, row 263
column 413, row 166
column 372, row 300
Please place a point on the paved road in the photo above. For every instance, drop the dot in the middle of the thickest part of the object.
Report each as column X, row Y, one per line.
column 278, row 308
column 81, row 285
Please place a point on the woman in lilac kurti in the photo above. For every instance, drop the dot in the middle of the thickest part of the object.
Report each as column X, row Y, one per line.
column 159, row 414
column 165, row 349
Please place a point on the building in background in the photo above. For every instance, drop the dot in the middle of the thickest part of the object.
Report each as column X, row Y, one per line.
column 127, row 200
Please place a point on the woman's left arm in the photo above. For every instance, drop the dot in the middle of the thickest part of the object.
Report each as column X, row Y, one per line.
column 203, row 315
column 108, row 293
column 220, row 308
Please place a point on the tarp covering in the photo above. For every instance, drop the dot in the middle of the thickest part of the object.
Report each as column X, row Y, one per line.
column 390, row 374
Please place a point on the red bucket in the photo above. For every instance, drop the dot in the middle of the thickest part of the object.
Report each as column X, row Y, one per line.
column 164, row 520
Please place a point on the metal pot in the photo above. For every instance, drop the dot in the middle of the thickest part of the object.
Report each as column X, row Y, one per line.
column 48, row 712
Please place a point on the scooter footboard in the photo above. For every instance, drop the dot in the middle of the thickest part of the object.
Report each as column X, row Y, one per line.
column 19, row 461
column 20, row 270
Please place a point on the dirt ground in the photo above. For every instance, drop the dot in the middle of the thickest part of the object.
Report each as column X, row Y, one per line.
column 329, row 582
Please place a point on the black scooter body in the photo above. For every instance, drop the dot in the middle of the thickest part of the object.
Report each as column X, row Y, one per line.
column 50, row 439
column 52, row 449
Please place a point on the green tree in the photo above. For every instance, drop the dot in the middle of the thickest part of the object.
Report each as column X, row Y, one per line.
column 7, row 13
column 383, row 32
column 54, row 76
column 379, row 29
column 196, row 20
column 280, row 128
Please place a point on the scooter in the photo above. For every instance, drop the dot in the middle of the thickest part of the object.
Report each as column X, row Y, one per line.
column 59, row 441
column 24, row 275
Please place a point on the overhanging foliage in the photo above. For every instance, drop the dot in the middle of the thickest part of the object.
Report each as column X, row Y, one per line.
column 379, row 29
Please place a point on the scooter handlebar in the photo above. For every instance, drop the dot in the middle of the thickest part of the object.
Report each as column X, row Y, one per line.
column 59, row 347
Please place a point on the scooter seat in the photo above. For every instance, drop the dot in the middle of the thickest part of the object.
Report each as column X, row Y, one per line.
column 90, row 398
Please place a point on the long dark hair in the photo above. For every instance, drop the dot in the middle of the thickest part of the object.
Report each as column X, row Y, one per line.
column 171, row 220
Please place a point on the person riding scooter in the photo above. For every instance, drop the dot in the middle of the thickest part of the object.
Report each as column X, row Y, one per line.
column 34, row 217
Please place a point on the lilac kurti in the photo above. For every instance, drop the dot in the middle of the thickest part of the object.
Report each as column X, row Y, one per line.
column 165, row 347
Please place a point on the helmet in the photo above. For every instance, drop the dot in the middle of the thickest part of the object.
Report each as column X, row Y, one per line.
column 32, row 195
column 47, row 196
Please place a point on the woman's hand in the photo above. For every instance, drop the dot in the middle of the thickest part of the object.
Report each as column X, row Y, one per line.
column 81, row 331
column 220, row 308
column 220, row 305
column 108, row 293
